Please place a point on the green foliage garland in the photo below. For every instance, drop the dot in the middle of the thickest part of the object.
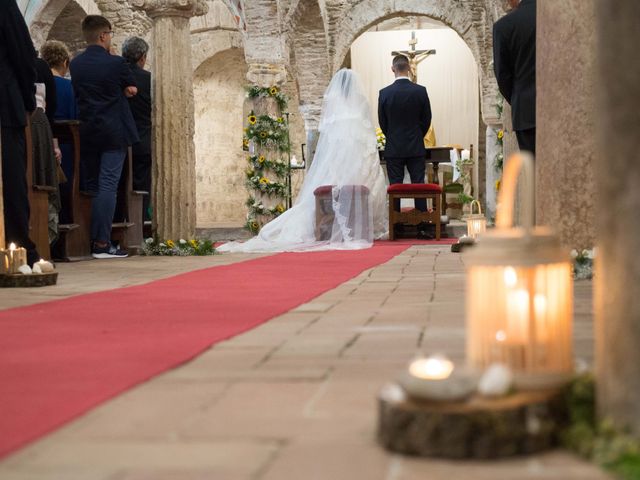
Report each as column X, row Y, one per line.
column 266, row 172
column 281, row 99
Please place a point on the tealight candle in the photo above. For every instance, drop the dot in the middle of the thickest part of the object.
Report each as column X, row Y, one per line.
column 45, row 267
column 435, row 378
column 435, row 367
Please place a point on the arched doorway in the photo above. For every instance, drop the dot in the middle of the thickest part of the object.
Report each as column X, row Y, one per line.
column 218, row 88
column 66, row 27
column 450, row 76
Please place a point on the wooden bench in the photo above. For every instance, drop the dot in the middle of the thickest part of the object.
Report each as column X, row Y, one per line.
column 74, row 242
column 75, row 237
column 427, row 191
column 38, row 202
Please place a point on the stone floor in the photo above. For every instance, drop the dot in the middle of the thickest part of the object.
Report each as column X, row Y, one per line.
column 291, row 399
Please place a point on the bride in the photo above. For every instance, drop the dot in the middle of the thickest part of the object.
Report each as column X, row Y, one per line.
column 346, row 164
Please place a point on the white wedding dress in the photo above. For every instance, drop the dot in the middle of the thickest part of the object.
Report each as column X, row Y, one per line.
column 346, row 158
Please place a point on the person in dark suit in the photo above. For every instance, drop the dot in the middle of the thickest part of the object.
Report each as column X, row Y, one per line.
column 17, row 99
column 514, row 63
column 134, row 51
column 404, row 114
column 102, row 82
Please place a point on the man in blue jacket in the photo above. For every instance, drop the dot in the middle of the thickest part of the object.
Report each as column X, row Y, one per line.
column 404, row 114
column 17, row 100
column 102, row 83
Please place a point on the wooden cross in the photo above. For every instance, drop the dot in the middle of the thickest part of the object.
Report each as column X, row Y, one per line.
column 414, row 56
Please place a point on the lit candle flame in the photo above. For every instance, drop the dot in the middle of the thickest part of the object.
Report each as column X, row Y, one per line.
column 431, row 368
column 510, row 277
column 12, row 246
column 501, row 336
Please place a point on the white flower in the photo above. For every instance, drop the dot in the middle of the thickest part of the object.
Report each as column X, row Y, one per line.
column 182, row 241
column 590, row 254
column 148, row 241
column 574, row 253
column 162, row 245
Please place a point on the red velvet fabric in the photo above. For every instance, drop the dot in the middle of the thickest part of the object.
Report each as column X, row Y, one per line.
column 414, row 188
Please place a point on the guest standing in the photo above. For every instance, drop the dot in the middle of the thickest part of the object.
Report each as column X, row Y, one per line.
column 102, row 82
column 135, row 51
column 17, row 88
column 57, row 55
column 514, row 63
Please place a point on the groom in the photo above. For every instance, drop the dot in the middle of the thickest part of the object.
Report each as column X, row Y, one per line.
column 404, row 114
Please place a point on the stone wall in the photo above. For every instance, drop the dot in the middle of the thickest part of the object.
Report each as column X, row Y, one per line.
column 220, row 162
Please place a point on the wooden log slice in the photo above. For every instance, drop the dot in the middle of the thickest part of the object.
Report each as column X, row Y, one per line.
column 34, row 280
column 482, row 428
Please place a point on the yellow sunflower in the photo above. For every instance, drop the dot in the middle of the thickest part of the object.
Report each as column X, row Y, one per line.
column 193, row 243
column 170, row 243
column 500, row 134
column 253, row 119
column 273, row 91
column 280, row 208
column 261, row 159
column 254, row 226
column 264, row 180
column 263, row 134
column 245, row 142
column 280, row 120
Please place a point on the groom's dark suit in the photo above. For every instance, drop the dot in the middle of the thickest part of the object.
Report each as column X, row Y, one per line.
column 404, row 114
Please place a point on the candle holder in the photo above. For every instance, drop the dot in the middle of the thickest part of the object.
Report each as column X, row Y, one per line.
column 476, row 222
column 520, row 293
column 13, row 260
column 435, row 378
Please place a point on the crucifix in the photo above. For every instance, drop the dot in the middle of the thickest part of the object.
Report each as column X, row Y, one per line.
column 414, row 56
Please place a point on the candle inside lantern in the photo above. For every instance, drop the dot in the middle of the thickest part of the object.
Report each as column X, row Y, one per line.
column 465, row 155
column 431, row 368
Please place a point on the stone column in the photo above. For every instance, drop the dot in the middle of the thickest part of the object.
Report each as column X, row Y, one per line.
column 617, row 286
column 566, row 145
column 174, row 184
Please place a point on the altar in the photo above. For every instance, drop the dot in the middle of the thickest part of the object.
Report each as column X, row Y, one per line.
column 435, row 156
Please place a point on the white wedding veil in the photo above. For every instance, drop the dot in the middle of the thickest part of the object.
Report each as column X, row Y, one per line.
column 342, row 202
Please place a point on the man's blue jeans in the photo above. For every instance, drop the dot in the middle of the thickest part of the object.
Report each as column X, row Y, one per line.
column 105, row 189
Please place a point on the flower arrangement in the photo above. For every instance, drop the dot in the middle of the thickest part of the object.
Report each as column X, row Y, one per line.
column 181, row 248
column 381, row 140
column 266, row 137
column 583, row 263
column 274, row 92
column 265, row 130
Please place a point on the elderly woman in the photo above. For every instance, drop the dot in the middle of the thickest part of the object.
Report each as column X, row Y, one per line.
column 57, row 56
column 134, row 50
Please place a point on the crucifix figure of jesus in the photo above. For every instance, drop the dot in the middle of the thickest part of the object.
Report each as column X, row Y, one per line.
column 415, row 56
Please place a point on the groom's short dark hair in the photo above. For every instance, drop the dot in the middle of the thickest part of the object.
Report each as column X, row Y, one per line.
column 400, row 63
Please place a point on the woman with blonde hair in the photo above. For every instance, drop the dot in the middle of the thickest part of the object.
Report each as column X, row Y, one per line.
column 57, row 55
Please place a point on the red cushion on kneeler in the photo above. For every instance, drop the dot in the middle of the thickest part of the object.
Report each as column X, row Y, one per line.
column 414, row 188
column 323, row 190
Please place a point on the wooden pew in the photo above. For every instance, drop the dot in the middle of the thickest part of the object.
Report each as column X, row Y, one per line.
column 75, row 237
column 38, row 202
column 128, row 224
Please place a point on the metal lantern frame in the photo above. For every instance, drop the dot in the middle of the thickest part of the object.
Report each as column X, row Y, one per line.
column 520, row 292
column 476, row 222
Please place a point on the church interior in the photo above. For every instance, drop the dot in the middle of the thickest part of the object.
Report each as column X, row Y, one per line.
column 414, row 358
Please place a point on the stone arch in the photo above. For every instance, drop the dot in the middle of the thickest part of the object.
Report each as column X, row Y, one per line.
column 43, row 15
column 471, row 21
column 218, row 107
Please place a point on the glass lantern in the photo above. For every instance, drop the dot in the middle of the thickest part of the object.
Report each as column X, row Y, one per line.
column 520, row 294
column 476, row 222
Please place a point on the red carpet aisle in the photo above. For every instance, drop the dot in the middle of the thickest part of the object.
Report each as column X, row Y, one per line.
column 59, row 359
